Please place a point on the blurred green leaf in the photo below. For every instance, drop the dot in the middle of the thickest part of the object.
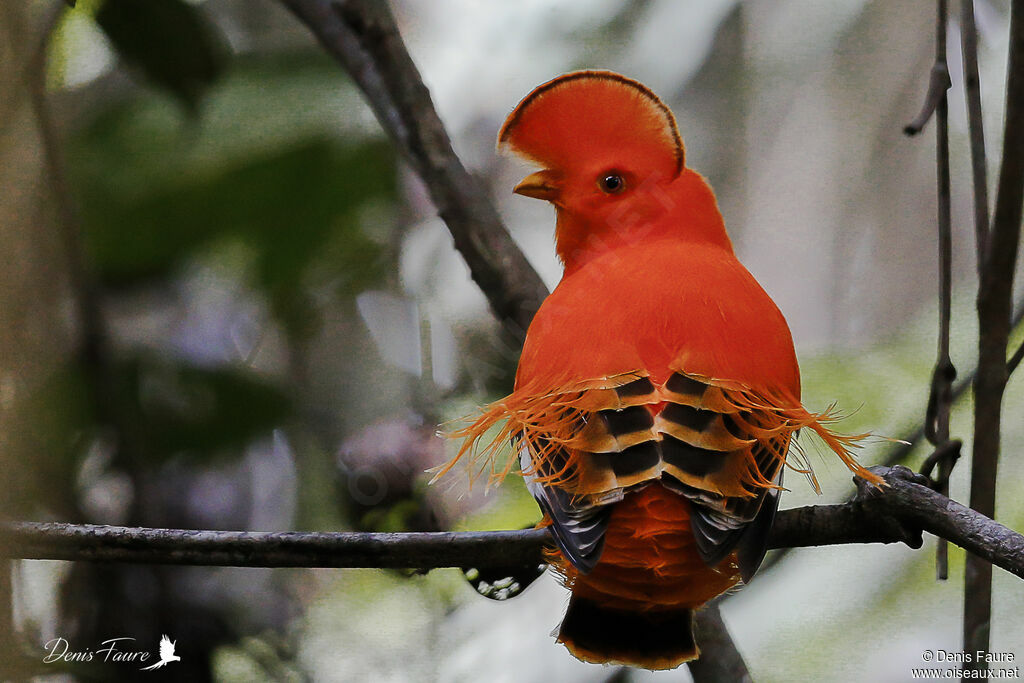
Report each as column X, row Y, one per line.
column 291, row 207
column 154, row 194
column 266, row 102
column 170, row 41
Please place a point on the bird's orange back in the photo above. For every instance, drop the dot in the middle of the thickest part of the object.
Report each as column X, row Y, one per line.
column 659, row 307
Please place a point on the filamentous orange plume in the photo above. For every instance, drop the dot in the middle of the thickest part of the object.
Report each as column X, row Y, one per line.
column 658, row 391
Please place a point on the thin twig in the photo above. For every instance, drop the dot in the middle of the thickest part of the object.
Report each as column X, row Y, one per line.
column 938, row 84
column 994, row 303
column 896, row 513
column 1018, row 355
column 940, row 397
column 1015, row 359
column 910, row 441
column 937, row 422
column 947, row 452
column 975, row 126
column 363, row 37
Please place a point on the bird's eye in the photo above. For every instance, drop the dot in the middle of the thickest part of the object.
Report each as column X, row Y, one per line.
column 611, row 183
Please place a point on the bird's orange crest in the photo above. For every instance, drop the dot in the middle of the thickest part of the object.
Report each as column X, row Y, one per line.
column 600, row 112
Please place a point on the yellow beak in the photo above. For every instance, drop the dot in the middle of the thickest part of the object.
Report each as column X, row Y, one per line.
column 539, row 185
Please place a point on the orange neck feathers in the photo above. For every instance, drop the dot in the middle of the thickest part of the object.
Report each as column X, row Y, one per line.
column 684, row 209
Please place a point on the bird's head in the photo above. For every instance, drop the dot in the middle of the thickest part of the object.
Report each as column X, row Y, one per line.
column 611, row 158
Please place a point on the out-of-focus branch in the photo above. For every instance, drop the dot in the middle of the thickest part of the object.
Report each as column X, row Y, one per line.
column 363, row 37
column 83, row 286
column 727, row 663
column 7, row 636
column 994, row 303
column 32, row 69
column 94, row 350
column 896, row 513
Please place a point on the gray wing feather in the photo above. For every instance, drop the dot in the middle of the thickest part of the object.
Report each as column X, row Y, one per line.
column 751, row 549
column 578, row 531
column 727, row 524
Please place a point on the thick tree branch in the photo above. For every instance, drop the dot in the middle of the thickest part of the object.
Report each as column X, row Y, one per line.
column 894, row 514
column 899, row 513
column 363, row 37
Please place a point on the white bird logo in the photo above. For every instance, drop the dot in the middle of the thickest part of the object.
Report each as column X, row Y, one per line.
column 166, row 654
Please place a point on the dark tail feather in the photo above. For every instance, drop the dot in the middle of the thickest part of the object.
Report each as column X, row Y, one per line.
column 650, row 639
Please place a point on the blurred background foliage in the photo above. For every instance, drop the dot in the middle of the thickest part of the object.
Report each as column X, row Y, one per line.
column 225, row 303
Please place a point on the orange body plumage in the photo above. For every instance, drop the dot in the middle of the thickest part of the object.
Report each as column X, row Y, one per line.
column 658, row 389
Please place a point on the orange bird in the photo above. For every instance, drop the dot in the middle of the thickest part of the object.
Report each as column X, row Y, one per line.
column 658, row 389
